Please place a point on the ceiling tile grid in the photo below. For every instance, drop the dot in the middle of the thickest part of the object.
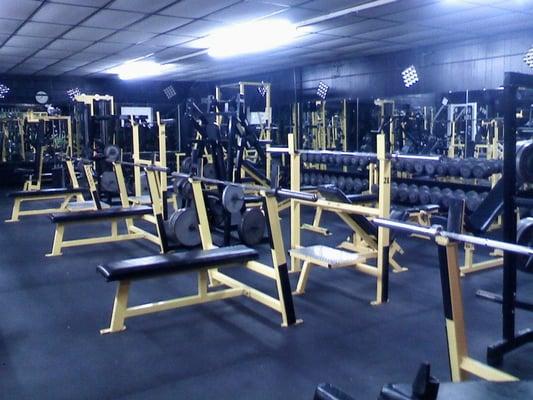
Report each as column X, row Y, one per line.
column 87, row 37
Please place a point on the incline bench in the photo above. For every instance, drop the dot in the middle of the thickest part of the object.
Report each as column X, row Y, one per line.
column 199, row 261
column 113, row 214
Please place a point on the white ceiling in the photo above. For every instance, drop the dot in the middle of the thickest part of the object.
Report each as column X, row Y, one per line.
column 85, row 38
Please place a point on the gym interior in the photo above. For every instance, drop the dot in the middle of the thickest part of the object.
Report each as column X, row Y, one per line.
column 266, row 199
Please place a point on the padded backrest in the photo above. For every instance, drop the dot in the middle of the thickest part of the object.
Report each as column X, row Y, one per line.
column 479, row 221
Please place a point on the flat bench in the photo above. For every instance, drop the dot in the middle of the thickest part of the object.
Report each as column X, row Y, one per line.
column 104, row 214
column 199, row 261
column 44, row 192
column 21, row 196
column 113, row 214
column 152, row 266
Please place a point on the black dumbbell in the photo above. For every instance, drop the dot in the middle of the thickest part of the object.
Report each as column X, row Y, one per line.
column 306, row 179
column 413, row 196
column 394, row 191
column 454, row 168
column 435, row 195
column 447, row 196
column 333, row 180
column 403, row 193
column 357, row 186
column 341, row 183
column 320, row 179
column 327, row 179
column 465, row 168
column 441, row 169
column 424, row 196
column 430, row 168
column 313, row 179
column 348, row 184
column 418, row 167
column 459, row 194
column 472, row 201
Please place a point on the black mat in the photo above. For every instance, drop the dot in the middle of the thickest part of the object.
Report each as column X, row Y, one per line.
column 53, row 308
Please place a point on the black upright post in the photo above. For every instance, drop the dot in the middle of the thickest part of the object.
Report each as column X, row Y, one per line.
column 509, row 218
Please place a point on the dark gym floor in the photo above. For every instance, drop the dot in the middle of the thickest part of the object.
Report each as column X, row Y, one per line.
column 52, row 310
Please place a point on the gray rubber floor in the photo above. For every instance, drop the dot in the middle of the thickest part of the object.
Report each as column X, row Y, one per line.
column 52, row 310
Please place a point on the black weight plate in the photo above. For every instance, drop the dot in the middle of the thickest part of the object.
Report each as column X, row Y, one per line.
column 215, row 211
column 185, row 227
column 233, row 198
column 251, row 229
column 209, row 171
column 524, row 237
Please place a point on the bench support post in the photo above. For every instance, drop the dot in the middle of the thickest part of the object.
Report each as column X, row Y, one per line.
column 119, row 309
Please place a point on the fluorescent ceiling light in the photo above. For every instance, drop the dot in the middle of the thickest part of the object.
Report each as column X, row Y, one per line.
column 252, row 37
column 140, row 69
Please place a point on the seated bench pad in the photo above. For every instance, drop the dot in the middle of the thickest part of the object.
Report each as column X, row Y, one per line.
column 105, row 213
column 152, row 266
column 44, row 192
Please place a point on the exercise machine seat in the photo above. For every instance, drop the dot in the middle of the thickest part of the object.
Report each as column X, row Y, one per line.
column 152, row 266
column 105, row 213
column 44, row 192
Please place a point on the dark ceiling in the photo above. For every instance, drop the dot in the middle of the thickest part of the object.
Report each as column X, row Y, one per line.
column 85, row 38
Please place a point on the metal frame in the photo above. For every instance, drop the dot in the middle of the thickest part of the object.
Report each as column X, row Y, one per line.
column 213, row 277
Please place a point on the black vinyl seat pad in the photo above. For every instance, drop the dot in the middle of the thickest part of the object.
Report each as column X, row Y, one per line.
column 44, row 192
column 106, row 213
column 164, row 264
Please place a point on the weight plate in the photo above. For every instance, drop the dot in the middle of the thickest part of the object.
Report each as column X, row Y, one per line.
column 215, row 211
column 186, row 165
column 185, row 227
column 524, row 237
column 233, row 198
column 209, row 171
column 252, row 227
column 108, row 182
column 112, row 153
column 524, row 161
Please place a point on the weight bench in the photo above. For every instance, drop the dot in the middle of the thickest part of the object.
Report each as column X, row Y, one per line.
column 349, row 253
column 199, row 261
column 23, row 196
column 113, row 214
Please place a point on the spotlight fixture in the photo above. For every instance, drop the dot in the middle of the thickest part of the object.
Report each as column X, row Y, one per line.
column 72, row 93
column 262, row 90
column 169, row 91
column 322, row 90
column 528, row 57
column 4, row 90
column 410, row 76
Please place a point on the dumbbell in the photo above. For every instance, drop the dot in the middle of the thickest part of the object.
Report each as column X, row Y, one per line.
column 333, row 180
column 459, row 194
column 320, row 179
column 465, row 168
column 430, row 168
column 357, row 186
column 341, row 183
column 394, row 191
column 409, row 166
column 447, row 195
column 441, row 169
column 313, row 179
column 348, row 185
column 400, row 166
column 472, row 200
column 403, row 192
column 354, row 161
column 418, row 167
column 424, row 196
column 435, row 195
column 327, row 180
column 413, row 195
column 364, row 161
column 324, row 158
column 454, row 168
column 306, row 179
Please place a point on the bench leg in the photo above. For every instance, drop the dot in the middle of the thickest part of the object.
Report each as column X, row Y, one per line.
column 65, row 202
column 15, row 212
column 58, row 241
column 396, row 267
column 302, row 280
column 119, row 309
column 114, row 229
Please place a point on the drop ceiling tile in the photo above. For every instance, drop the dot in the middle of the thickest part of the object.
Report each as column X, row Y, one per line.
column 72, row 15
column 139, row 50
column 3, row 37
column 69, row 44
column 16, row 51
column 53, row 53
column 198, row 28
column 421, row 14
column 140, row 5
column 18, row 9
column 84, row 33
column 297, row 14
column 70, row 64
column 388, row 33
column 106, row 47
column 333, row 44
column 332, row 5
column 167, row 40
column 41, row 62
column 196, row 8
column 396, row 7
column 11, row 59
column 41, row 29
column 24, row 69
column 90, row 3
column 174, row 52
column 130, row 37
column 245, row 11
column 89, row 57
column 9, row 25
column 159, row 24
column 27, row 41
column 113, row 19
column 361, row 27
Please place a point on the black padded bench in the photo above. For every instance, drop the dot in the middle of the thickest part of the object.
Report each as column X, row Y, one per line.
column 113, row 214
column 152, row 266
column 199, row 261
column 44, row 192
column 106, row 213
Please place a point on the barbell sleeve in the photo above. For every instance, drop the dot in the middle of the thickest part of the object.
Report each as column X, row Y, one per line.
column 291, row 194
